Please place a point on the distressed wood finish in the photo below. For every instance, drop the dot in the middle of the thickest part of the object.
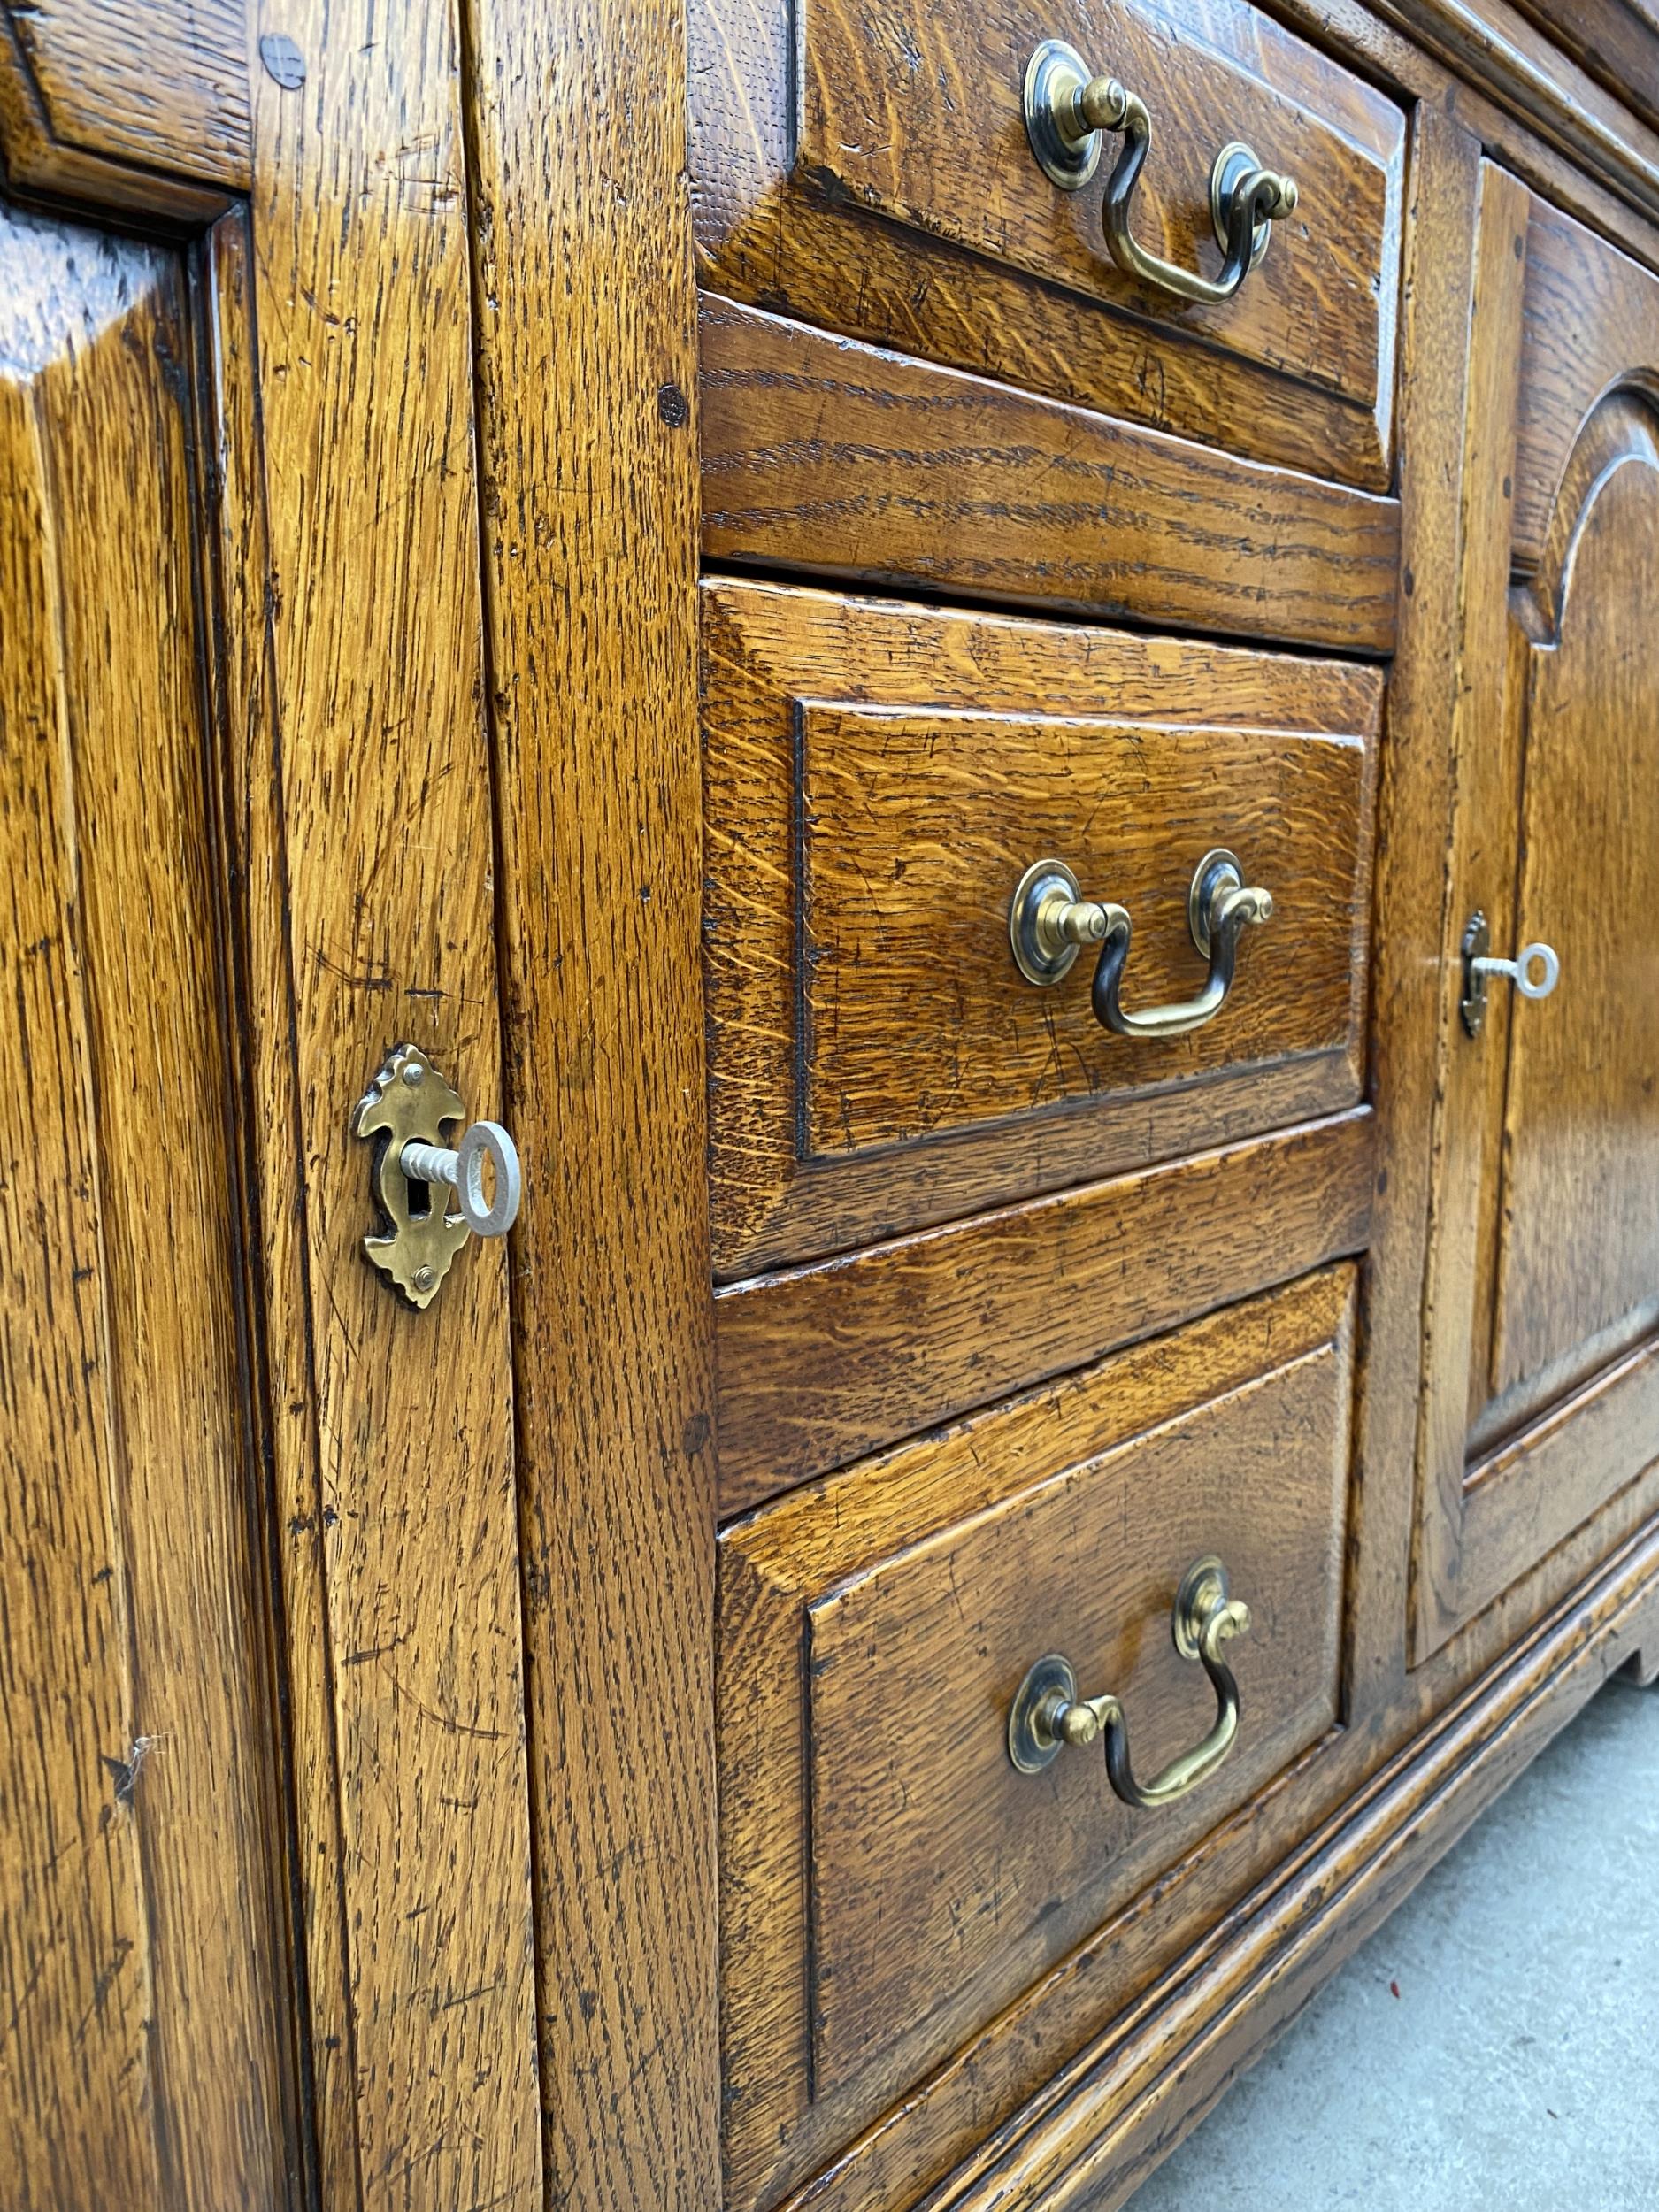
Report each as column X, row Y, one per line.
column 917, row 114
column 123, row 105
column 588, row 379
column 143, row 1966
column 1096, row 2132
column 923, row 1584
column 838, row 459
column 1615, row 42
column 823, row 1363
column 875, row 1062
column 769, row 235
column 1545, row 1232
column 361, row 286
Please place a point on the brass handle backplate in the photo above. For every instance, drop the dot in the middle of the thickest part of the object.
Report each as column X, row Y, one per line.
column 1049, row 920
column 406, row 1112
column 1048, row 1714
column 1069, row 109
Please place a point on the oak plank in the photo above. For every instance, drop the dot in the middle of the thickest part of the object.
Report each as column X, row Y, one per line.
column 587, row 367
column 142, row 1962
column 820, row 1363
column 832, row 457
column 361, row 301
column 134, row 106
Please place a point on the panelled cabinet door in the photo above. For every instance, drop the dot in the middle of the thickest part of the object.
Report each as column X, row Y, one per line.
column 1544, row 1288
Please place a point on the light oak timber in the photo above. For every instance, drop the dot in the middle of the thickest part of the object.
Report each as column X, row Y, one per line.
column 1615, row 42
column 281, row 1322
column 876, row 1061
column 588, row 444
column 144, row 1945
column 924, row 124
column 961, row 2118
column 361, row 303
column 1481, row 866
column 126, row 106
column 769, row 235
column 1160, row 2070
column 835, row 458
column 922, row 1583
column 820, row 1363
column 1410, row 987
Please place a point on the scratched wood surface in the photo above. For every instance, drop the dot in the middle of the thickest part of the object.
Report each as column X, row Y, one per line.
column 1066, row 324
column 820, row 1363
column 142, row 1945
column 1018, row 739
column 122, row 104
column 836, row 459
column 587, row 363
column 924, row 1583
column 360, row 288
column 915, row 112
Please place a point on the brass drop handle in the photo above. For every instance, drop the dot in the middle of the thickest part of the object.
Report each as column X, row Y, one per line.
column 1049, row 920
column 1048, row 1714
column 1068, row 110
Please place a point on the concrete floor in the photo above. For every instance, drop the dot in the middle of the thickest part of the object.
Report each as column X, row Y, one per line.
column 1496, row 2045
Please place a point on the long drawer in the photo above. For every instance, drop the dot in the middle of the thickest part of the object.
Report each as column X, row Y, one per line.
column 878, row 780
column 891, row 1878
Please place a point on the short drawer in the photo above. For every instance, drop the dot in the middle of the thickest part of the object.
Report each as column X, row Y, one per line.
column 878, row 780
column 870, row 168
column 891, row 1878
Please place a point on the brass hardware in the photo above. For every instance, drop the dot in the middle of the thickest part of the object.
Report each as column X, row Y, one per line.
column 1479, row 966
column 408, row 1106
column 1047, row 1713
column 1068, row 111
column 1049, row 920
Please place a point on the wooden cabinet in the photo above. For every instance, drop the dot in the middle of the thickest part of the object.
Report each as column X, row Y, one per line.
column 602, row 544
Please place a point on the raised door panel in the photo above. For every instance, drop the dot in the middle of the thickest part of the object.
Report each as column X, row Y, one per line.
column 1578, row 1216
column 143, row 1946
column 1543, row 1283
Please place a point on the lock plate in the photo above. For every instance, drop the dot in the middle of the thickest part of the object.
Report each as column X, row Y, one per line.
column 409, row 1102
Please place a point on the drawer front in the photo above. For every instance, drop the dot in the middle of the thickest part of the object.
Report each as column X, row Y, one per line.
column 878, row 781
column 898, row 118
column 891, row 1879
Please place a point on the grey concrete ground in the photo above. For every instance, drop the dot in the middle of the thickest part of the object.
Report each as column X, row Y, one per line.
column 1518, row 2064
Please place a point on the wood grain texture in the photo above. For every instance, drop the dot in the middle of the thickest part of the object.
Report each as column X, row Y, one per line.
column 875, row 1061
column 143, row 1958
column 587, row 362
column 1409, row 984
column 769, row 235
column 821, row 1363
column 237, row 573
column 836, row 459
column 141, row 108
column 1541, row 1266
column 1580, row 1211
column 1109, row 2118
column 915, row 113
column 1591, row 323
column 361, row 301
column 1615, row 42
column 1494, row 48
column 922, row 1584
column 1480, row 871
